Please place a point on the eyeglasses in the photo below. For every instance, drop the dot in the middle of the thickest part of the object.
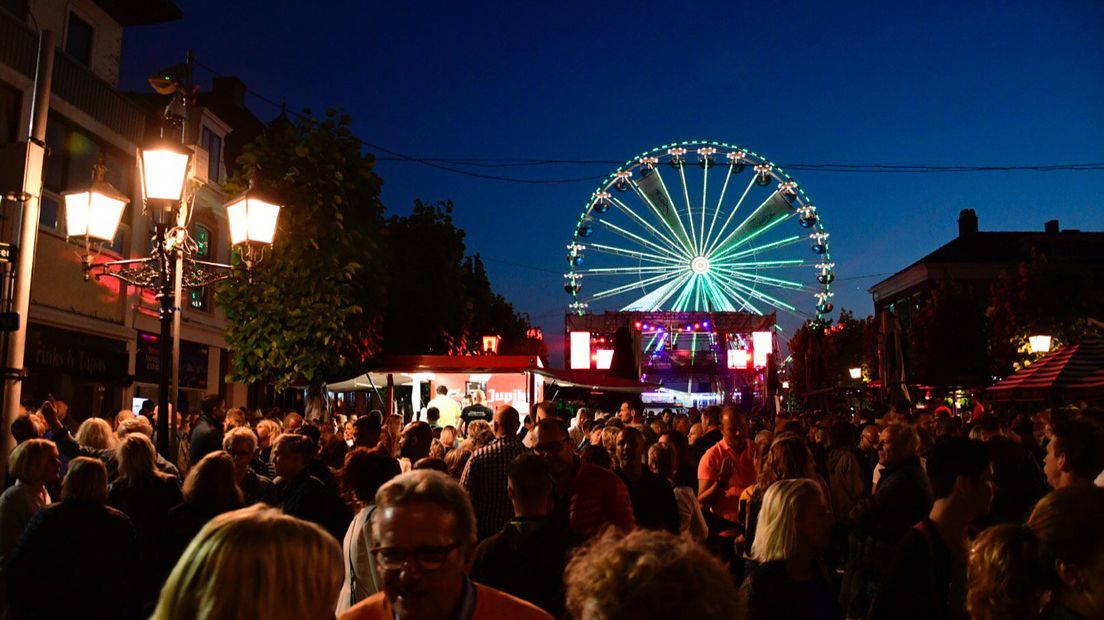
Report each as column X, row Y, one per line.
column 425, row 558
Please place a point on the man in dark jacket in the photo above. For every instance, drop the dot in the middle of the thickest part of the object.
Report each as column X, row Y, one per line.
column 298, row 493
column 207, row 436
column 653, row 499
column 902, row 499
column 533, row 538
column 926, row 577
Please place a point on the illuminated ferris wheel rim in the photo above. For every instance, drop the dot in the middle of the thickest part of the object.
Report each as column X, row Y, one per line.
column 683, row 255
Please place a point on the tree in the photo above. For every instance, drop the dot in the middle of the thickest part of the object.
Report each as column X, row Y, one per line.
column 312, row 309
column 950, row 338
column 442, row 301
column 1043, row 296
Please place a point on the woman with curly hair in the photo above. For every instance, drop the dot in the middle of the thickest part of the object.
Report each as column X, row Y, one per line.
column 1052, row 568
column 648, row 575
column 789, row 457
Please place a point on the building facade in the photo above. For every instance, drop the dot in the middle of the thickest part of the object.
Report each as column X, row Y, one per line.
column 95, row 343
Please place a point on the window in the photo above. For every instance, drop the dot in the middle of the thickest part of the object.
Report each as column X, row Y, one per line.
column 212, row 143
column 198, row 298
column 10, row 102
column 202, row 238
column 70, row 155
column 78, row 40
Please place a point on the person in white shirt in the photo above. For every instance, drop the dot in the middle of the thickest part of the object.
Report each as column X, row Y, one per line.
column 446, row 406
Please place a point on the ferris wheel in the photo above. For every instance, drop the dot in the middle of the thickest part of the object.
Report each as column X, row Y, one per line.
column 700, row 226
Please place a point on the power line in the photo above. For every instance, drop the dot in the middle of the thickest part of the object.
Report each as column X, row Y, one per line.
column 450, row 164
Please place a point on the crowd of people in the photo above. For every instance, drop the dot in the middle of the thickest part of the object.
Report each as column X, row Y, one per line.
column 475, row 512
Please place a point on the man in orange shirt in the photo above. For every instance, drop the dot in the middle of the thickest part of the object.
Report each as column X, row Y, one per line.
column 724, row 471
column 424, row 533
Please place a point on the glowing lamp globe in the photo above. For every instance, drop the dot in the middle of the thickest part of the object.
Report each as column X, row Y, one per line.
column 252, row 219
column 94, row 211
column 856, row 373
column 163, row 168
column 1039, row 343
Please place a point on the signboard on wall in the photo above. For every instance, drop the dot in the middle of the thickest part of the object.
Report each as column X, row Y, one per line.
column 193, row 362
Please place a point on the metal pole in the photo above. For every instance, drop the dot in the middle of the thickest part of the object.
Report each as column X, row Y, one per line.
column 32, row 190
column 167, row 309
column 178, row 271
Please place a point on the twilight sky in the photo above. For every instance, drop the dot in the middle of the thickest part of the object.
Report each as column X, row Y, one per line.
column 931, row 83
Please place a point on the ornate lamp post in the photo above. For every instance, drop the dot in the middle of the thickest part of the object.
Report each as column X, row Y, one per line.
column 94, row 213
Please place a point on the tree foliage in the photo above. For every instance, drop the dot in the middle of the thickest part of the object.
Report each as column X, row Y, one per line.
column 1043, row 296
column 950, row 338
column 823, row 352
column 312, row 309
column 441, row 300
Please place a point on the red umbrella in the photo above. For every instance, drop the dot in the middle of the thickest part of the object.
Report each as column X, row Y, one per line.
column 1071, row 373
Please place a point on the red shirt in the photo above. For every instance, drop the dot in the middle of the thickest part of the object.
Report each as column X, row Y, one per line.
column 597, row 497
column 743, row 475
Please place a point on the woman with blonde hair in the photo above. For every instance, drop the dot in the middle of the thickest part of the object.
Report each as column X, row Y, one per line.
column 34, row 464
column 69, row 562
column 145, row 494
column 96, row 433
column 788, row 457
column 790, row 581
column 1051, row 568
column 254, row 562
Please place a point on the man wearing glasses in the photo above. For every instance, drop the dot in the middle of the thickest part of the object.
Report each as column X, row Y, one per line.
column 424, row 530
column 588, row 497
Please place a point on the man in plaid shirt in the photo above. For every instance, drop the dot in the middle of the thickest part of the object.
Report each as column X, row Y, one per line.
column 485, row 475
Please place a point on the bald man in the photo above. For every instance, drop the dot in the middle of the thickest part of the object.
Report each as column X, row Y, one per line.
column 486, row 475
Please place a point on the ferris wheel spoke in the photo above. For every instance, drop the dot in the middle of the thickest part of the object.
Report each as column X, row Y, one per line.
column 654, row 190
column 628, row 270
column 635, row 237
column 689, row 208
column 717, row 211
column 744, row 301
column 719, row 299
column 637, row 254
column 757, row 294
column 684, row 295
column 664, row 200
column 772, row 212
column 720, row 233
column 705, row 194
column 752, row 277
column 765, row 264
column 617, row 290
column 773, row 245
column 634, row 216
column 654, row 300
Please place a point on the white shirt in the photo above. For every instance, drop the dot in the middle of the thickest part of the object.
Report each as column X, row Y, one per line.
column 449, row 410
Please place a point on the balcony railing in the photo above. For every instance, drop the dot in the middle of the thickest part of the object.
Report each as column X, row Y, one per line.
column 73, row 82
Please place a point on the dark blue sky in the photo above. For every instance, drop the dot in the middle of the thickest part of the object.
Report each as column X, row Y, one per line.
column 979, row 83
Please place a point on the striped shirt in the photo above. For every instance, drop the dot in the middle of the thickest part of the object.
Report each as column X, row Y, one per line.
column 485, row 478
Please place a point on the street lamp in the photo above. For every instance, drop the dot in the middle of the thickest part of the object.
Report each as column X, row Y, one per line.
column 163, row 168
column 856, row 372
column 1039, row 344
column 94, row 213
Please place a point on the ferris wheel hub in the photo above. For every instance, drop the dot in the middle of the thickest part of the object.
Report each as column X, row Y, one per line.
column 700, row 265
